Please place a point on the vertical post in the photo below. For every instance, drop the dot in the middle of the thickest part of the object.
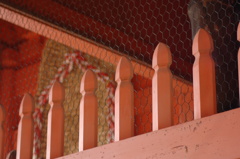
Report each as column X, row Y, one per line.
column 25, row 128
column 204, row 82
column 238, row 38
column 162, row 109
column 2, row 120
column 124, row 108
column 55, row 129
column 88, row 117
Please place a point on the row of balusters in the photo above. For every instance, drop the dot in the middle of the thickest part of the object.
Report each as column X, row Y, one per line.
column 204, row 84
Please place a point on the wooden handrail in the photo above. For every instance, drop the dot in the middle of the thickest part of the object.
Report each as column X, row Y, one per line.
column 213, row 137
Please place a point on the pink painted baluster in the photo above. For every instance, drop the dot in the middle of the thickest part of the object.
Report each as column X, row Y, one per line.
column 124, row 108
column 2, row 120
column 162, row 91
column 88, row 118
column 204, row 83
column 25, row 128
column 238, row 38
column 55, row 129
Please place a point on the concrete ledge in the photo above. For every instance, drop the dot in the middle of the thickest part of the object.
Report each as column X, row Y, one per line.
column 214, row 137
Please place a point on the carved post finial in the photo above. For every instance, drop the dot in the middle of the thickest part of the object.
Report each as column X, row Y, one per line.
column 27, row 105
column 57, row 93
column 2, row 120
column 88, row 116
column 124, row 71
column 124, row 108
column 162, row 88
column 25, row 128
column 55, row 134
column 89, row 82
column 204, row 82
column 202, row 43
column 162, row 56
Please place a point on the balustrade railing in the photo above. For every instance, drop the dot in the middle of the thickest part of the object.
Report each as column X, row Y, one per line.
column 204, row 87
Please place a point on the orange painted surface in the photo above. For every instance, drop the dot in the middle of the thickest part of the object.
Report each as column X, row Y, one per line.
column 13, row 85
column 27, row 79
column 182, row 103
column 142, row 104
column 11, row 106
column 19, row 63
